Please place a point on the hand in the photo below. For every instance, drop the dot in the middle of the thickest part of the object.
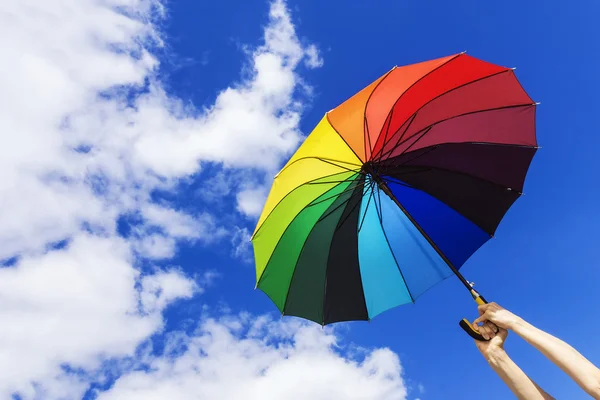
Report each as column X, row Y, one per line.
column 496, row 343
column 487, row 329
column 499, row 316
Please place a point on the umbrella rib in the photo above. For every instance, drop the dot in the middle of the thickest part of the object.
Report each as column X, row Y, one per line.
column 451, row 207
column 311, row 204
column 285, row 230
column 325, row 160
column 348, row 215
column 292, row 191
column 378, row 209
column 434, row 147
column 428, row 128
column 304, row 245
column 339, row 224
column 425, row 235
column 415, row 142
column 324, row 183
column 333, row 162
column 470, row 176
column 387, row 131
column 388, row 178
column 421, row 134
column 287, row 294
column 412, row 118
column 345, row 202
column 431, row 148
column 341, row 137
column 371, row 184
column 414, row 84
column 441, row 95
column 366, row 135
column 396, row 261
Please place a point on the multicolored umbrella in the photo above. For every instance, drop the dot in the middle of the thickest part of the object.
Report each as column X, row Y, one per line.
column 395, row 189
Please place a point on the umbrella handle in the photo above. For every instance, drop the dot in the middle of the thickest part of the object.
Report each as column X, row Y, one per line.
column 466, row 325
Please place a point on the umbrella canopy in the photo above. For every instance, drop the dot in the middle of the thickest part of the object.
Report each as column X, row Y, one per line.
column 395, row 189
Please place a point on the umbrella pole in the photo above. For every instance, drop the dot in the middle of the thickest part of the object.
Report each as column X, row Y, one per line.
column 479, row 299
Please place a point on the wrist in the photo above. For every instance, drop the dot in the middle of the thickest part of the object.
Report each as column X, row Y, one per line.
column 519, row 326
column 493, row 353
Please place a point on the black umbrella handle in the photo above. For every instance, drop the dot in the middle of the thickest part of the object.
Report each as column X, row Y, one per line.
column 466, row 325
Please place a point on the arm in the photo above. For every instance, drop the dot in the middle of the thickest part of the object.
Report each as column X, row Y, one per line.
column 566, row 357
column 517, row 381
column 520, row 384
column 582, row 371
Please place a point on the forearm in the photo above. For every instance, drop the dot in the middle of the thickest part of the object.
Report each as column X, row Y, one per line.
column 518, row 382
column 581, row 370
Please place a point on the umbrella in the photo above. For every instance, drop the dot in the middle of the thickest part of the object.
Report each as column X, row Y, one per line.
column 394, row 190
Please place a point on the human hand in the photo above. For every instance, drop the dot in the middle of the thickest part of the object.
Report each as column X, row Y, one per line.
column 499, row 316
column 496, row 343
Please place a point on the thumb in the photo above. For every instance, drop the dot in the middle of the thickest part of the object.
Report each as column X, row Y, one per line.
column 483, row 308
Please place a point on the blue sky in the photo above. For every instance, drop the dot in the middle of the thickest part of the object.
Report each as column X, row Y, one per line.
column 185, row 110
column 542, row 263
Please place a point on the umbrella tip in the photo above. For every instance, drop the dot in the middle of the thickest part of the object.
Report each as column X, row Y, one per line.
column 513, row 68
column 463, row 52
column 537, row 103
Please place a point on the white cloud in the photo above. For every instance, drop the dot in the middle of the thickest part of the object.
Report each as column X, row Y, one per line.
column 252, row 124
column 251, row 200
column 255, row 358
column 173, row 225
column 216, row 187
column 58, row 56
column 314, row 59
column 77, row 305
column 89, row 134
column 161, row 288
column 241, row 244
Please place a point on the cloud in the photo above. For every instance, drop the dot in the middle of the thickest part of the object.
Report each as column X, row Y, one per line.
column 77, row 306
column 313, row 59
column 90, row 135
column 251, row 201
column 91, row 132
column 158, row 237
column 254, row 357
column 241, row 244
column 252, row 124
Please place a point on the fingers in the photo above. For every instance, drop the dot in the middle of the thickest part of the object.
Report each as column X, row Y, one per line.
column 490, row 330
column 484, row 330
column 489, row 323
column 482, row 318
column 491, row 327
column 483, row 308
column 487, row 329
column 488, row 307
